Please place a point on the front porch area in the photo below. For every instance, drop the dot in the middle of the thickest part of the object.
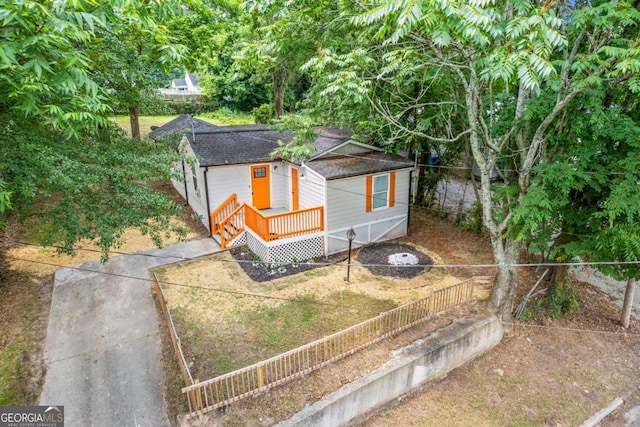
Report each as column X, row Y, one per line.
column 273, row 235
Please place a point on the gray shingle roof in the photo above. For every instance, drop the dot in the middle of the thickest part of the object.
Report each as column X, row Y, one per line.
column 193, row 78
column 245, row 144
column 358, row 164
column 179, row 82
column 229, row 145
column 182, row 125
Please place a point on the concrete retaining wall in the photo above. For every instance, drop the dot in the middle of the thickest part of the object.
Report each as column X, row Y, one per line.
column 412, row 366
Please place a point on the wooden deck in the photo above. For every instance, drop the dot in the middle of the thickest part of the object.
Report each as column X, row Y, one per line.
column 230, row 220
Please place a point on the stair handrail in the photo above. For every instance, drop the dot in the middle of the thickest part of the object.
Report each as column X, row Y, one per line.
column 238, row 230
column 223, row 211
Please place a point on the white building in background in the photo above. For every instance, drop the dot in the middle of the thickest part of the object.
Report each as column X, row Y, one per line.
column 182, row 88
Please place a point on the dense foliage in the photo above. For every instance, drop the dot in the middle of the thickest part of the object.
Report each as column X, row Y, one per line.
column 546, row 93
column 61, row 163
column 503, row 78
column 92, row 188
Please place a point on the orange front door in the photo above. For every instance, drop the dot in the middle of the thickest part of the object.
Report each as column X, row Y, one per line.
column 294, row 189
column 260, row 187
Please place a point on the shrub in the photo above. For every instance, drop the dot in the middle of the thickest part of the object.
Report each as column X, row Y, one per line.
column 562, row 300
column 263, row 114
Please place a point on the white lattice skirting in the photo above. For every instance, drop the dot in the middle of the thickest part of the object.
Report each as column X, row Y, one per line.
column 241, row 240
column 285, row 251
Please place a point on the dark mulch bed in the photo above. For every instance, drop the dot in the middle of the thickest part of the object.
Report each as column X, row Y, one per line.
column 261, row 272
column 376, row 259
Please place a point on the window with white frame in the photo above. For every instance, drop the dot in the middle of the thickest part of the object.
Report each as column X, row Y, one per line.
column 194, row 178
column 380, row 193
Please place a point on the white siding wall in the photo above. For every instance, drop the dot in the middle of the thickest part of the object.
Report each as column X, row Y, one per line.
column 179, row 184
column 311, row 188
column 280, row 177
column 226, row 180
column 346, row 207
column 287, row 185
column 197, row 200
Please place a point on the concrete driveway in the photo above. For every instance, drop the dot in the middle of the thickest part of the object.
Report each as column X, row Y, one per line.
column 103, row 345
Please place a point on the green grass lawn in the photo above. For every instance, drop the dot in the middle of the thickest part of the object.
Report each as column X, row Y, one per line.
column 216, row 118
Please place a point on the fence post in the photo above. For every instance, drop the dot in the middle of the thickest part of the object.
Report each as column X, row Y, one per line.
column 260, row 376
column 198, row 395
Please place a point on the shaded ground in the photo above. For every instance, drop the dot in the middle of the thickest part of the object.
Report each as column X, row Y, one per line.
column 552, row 372
column 549, row 373
column 26, row 284
column 257, row 315
column 24, row 309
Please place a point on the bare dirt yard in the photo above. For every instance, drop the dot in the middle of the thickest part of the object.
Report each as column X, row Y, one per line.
column 555, row 372
column 551, row 372
column 230, row 315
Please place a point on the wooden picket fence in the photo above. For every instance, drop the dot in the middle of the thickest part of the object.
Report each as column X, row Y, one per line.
column 177, row 347
column 217, row 392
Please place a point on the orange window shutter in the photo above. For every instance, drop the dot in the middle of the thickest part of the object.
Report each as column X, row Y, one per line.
column 369, row 196
column 392, row 189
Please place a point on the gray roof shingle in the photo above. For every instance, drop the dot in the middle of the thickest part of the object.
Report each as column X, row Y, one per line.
column 245, row 144
column 182, row 125
column 179, row 82
column 358, row 164
column 230, row 145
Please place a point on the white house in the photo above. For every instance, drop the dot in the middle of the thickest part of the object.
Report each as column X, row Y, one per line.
column 183, row 88
column 284, row 210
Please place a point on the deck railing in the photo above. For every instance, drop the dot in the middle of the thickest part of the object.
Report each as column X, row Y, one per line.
column 229, row 221
column 249, row 381
column 232, row 226
column 286, row 224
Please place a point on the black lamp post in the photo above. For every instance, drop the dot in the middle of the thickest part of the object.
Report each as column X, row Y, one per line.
column 350, row 236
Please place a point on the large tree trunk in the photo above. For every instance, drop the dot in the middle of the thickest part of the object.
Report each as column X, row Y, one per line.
column 559, row 276
column 506, row 255
column 506, row 252
column 561, row 270
column 421, row 191
column 279, row 84
column 134, row 121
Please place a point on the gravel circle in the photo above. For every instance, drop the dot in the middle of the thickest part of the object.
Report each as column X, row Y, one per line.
column 394, row 260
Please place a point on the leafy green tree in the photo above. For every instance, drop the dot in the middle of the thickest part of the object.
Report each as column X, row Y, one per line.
column 45, row 70
column 214, row 31
column 585, row 200
column 285, row 36
column 129, row 51
column 62, row 163
column 92, row 188
column 503, row 55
